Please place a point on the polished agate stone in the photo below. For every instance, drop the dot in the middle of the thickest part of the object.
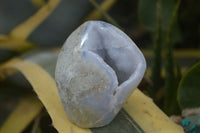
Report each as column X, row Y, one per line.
column 98, row 68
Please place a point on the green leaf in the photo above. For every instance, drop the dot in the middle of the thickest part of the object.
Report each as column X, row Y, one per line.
column 189, row 88
column 147, row 13
column 147, row 17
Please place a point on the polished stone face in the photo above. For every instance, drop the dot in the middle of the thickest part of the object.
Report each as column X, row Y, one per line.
column 98, row 68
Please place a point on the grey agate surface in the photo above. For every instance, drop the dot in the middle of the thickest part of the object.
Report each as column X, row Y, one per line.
column 98, row 68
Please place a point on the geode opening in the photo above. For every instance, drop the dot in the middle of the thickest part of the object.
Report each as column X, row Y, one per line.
column 112, row 48
column 98, row 68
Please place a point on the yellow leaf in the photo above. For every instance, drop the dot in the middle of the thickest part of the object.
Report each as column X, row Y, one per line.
column 13, row 44
column 140, row 107
column 148, row 116
column 4, row 67
column 21, row 117
column 38, row 3
column 45, row 87
column 23, row 30
column 96, row 14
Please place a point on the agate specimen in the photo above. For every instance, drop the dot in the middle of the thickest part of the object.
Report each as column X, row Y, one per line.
column 98, row 68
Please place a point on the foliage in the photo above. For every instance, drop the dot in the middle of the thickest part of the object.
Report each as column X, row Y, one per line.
column 41, row 24
column 189, row 88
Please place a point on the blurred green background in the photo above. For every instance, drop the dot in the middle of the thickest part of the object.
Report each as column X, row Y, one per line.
column 167, row 32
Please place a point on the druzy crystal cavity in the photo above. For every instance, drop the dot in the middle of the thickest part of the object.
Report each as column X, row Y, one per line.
column 98, row 68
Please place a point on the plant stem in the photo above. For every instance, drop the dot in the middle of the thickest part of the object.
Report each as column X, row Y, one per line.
column 105, row 15
column 156, row 68
column 106, row 5
column 171, row 104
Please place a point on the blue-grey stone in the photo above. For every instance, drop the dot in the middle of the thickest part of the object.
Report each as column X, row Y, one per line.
column 98, row 68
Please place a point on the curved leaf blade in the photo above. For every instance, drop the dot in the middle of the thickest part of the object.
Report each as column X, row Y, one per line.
column 21, row 117
column 189, row 88
column 133, row 118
